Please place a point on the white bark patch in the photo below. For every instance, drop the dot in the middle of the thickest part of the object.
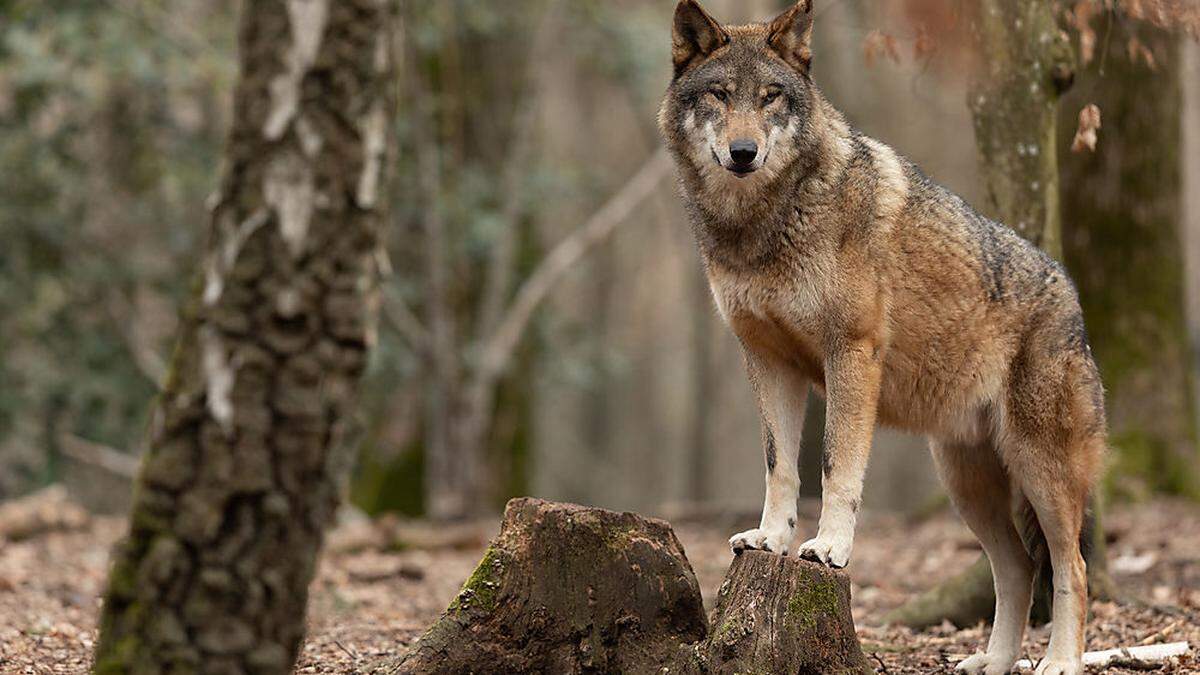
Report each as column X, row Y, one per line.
column 218, row 378
column 310, row 141
column 287, row 303
column 231, row 242
column 289, row 190
column 373, row 128
column 308, row 19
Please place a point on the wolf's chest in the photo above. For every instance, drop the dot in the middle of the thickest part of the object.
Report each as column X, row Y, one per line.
column 777, row 315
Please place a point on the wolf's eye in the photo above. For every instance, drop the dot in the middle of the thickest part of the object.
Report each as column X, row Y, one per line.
column 770, row 97
column 720, row 94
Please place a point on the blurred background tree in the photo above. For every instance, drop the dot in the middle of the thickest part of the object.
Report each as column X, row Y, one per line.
column 111, row 116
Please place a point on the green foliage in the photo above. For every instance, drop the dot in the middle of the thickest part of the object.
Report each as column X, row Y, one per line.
column 109, row 129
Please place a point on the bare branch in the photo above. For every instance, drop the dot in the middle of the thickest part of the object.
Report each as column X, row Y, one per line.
column 497, row 353
column 96, row 454
column 148, row 361
column 404, row 321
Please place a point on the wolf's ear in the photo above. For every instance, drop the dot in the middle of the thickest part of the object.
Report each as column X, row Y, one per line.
column 695, row 35
column 790, row 35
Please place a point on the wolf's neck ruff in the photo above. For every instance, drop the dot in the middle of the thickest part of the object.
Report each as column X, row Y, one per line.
column 746, row 222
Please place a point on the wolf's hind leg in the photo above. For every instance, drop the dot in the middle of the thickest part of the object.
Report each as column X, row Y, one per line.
column 981, row 491
column 782, row 393
column 1059, row 504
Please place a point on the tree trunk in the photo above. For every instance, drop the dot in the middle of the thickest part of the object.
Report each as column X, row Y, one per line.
column 1014, row 100
column 1189, row 75
column 1124, row 247
column 700, row 427
column 248, row 447
column 569, row 589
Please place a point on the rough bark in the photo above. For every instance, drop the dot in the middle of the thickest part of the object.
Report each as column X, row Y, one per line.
column 780, row 614
column 1026, row 63
column 247, row 444
column 569, row 589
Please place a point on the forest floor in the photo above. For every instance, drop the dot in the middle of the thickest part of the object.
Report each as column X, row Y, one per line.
column 381, row 583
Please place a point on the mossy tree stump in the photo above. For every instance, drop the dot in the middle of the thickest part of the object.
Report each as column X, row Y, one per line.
column 779, row 614
column 569, row 589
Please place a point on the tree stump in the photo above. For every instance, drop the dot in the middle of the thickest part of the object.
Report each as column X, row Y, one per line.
column 780, row 614
column 568, row 589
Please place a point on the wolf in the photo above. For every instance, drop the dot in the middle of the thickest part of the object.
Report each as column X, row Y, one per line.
column 842, row 268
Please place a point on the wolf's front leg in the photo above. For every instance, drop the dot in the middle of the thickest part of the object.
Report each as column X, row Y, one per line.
column 852, row 394
column 782, row 393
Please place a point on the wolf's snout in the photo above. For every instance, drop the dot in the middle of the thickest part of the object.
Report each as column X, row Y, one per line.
column 743, row 152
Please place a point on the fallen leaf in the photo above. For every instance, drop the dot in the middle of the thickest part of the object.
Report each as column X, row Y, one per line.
column 924, row 45
column 1137, row 50
column 879, row 43
column 1089, row 124
column 1080, row 18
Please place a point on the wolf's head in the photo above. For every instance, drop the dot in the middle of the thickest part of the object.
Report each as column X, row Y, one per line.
column 739, row 97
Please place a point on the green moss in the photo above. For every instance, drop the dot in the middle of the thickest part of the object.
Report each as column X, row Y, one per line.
column 809, row 602
column 483, row 587
column 730, row 631
column 117, row 661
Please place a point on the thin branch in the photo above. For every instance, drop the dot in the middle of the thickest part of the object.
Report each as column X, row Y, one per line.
column 96, row 454
column 498, row 351
column 501, row 266
column 404, row 321
column 148, row 361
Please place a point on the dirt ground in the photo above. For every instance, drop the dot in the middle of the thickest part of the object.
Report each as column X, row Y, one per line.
column 373, row 598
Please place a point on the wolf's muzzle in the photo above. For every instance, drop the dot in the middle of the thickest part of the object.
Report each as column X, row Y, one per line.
column 743, row 152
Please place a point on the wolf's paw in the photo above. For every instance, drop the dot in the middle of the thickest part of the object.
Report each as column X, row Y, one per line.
column 1056, row 665
column 761, row 540
column 987, row 664
column 834, row 552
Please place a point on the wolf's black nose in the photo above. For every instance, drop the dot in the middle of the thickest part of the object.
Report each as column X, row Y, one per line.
column 743, row 151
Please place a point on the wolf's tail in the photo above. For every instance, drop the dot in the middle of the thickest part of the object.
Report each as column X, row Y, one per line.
column 1035, row 545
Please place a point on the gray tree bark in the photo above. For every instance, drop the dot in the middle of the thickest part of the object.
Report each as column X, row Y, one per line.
column 248, row 447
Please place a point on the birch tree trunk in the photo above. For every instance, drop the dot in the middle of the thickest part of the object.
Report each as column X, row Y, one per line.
column 247, row 443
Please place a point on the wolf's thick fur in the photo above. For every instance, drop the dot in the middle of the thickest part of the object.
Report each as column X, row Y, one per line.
column 841, row 267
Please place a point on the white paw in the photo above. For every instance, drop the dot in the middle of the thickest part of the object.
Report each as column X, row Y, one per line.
column 761, row 540
column 987, row 664
column 833, row 551
column 1059, row 666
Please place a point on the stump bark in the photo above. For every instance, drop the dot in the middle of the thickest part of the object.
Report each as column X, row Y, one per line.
column 569, row 589
column 779, row 614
